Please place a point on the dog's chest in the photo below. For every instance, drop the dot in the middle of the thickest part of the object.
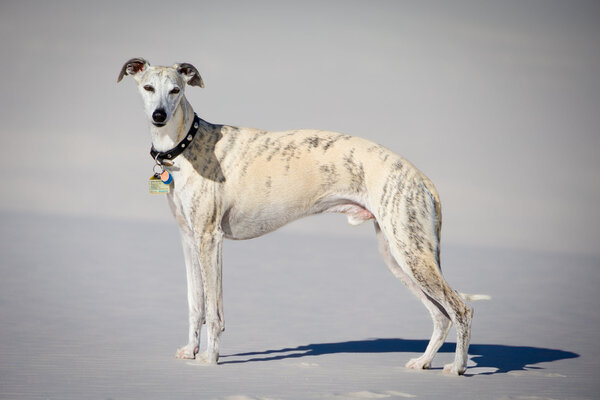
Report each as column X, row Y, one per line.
column 186, row 188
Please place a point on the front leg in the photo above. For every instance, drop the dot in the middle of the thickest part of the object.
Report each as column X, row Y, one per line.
column 195, row 293
column 210, row 245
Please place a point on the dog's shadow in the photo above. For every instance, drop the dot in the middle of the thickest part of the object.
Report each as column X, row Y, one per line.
column 501, row 357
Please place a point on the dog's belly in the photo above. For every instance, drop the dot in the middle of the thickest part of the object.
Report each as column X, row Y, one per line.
column 240, row 224
column 244, row 224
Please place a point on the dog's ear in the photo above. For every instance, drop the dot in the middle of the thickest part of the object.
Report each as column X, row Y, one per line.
column 190, row 74
column 132, row 67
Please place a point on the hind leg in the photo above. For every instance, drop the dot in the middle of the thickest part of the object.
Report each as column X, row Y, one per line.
column 422, row 268
column 441, row 320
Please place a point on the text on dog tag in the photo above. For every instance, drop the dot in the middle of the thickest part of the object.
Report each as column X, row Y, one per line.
column 157, row 186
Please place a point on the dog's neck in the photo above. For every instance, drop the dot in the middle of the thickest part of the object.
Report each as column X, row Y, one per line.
column 166, row 137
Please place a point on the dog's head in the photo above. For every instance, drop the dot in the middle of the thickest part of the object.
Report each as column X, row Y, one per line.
column 161, row 88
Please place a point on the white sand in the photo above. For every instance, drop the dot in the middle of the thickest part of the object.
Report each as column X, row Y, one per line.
column 95, row 309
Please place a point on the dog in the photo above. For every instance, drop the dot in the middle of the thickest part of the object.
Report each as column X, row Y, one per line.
column 238, row 183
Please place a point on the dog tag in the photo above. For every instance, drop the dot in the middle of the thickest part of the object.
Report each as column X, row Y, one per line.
column 166, row 177
column 157, row 186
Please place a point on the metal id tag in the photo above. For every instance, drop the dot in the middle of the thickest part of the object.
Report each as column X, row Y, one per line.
column 157, row 186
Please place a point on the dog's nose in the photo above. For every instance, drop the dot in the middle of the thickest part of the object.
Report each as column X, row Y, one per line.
column 159, row 116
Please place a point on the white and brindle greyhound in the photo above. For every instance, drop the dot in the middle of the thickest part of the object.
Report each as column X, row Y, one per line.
column 241, row 183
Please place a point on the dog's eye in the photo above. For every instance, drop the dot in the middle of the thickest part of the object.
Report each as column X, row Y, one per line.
column 149, row 88
column 175, row 90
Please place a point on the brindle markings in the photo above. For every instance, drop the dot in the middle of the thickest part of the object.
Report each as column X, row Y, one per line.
column 356, row 171
column 272, row 147
column 248, row 147
column 257, row 134
column 288, row 153
column 330, row 175
column 230, row 158
column 420, row 250
column 333, row 140
column 274, row 150
column 324, row 140
column 413, row 225
column 259, row 151
column 425, row 212
column 312, row 141
column 382, row 152
column 420, row 270
column 394, row 186
column 275, row 147
column 432, row 196
column 277, row 144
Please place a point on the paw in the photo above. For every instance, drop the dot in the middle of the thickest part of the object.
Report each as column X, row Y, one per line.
column 418, row 363
column 208, row 358
column 452, row 369
column 187, row 352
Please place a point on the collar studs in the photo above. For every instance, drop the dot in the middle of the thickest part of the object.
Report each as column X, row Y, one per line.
column 179, row 148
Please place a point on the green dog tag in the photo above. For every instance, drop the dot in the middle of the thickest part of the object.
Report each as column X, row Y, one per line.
column 157, row 186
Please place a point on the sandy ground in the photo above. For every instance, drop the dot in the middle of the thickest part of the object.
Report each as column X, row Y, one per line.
column 95, row 309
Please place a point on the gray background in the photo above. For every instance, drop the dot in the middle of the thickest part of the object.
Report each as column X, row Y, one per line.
column 497, row 102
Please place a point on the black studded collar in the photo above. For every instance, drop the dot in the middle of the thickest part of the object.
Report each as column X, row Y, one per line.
column 161, row 156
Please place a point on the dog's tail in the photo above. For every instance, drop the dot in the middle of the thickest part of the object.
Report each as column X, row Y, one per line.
column 474, row 297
